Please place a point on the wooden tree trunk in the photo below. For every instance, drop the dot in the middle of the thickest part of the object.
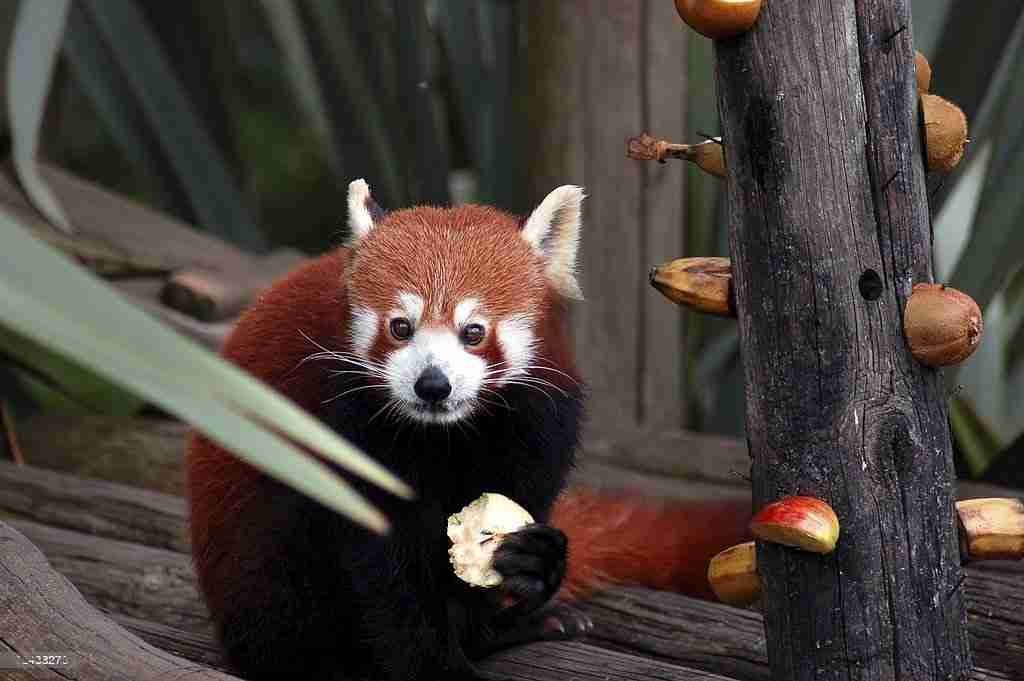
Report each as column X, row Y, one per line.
column 826, row 194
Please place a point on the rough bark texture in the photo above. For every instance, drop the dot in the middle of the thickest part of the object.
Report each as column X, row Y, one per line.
column 654, row 634
column 42, row 613
column 139, row 581
column 820, row 121
column 97, row 507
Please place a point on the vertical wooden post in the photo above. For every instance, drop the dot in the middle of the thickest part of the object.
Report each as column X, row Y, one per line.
column 826, row 199
column 597, row 73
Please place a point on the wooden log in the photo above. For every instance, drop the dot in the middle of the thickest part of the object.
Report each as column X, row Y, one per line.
column 123, row 228
column 42, row 613
column 158, row 586
column 146, row 294
column 218, row 296
column 141, row 581
column 669, row 631
column 143, row 452
column 96, row 507
column 574, row 660
column 826, row 190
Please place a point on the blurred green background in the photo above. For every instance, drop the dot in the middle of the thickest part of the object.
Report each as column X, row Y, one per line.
column 248, row 119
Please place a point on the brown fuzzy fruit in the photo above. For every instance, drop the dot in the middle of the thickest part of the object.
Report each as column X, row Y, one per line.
column 945, row 133
column 942, row 325
column 732, row 575
column 702, row 284
column 923, row 71
column 719, row 19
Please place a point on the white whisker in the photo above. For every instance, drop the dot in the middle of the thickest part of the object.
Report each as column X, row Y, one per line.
column 354, row 390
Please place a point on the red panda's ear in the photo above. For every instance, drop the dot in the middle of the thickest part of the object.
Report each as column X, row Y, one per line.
column 363, row 211
column 553, row 231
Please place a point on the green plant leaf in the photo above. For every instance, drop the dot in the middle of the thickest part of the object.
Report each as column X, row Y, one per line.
column 996, row 246
column 182, row 137
column 481, row 43
column 929, row 18
column 96, row 73
column 973, row 69
column 978, row 442
column 286, row 25
column 952, row 227
column 52, row 301
column 84, row 388
column 33, row 56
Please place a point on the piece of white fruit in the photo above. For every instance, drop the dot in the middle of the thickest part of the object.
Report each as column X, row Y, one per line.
column 476, row 532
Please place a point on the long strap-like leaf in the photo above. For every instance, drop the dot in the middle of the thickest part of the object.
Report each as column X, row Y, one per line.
column 33, row 56
column 180, row 132
column 55, row 302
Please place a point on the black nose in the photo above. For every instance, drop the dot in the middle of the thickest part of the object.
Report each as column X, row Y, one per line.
column 432, row 385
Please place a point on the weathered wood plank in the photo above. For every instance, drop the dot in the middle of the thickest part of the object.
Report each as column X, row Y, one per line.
column 674, row 453
column 96, row 507
column 123, row 226
column 819, row 114
column 41, row 612
column 141, row 581
column 593, row 69
column 145, row 294
column 158, row 586
column 143, row 452
column 660, row 224
column 564, row 659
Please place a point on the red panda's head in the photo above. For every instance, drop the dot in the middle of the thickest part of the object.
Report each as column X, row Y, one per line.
column 446, row 303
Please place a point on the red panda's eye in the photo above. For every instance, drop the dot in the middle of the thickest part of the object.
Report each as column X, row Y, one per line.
column 401, row 329
column 472, row 334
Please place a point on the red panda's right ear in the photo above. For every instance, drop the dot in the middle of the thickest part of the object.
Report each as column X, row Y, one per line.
column 363, row 211
column 553, row 232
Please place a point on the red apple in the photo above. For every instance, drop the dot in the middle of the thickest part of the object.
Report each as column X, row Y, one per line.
column 802, row 522
column 732, row 575
column 991, row 529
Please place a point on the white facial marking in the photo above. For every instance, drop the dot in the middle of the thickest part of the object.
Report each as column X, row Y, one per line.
column 517, row 341
column 464, row 310
column 436, row 348
column 411, row 307
column 362, row 330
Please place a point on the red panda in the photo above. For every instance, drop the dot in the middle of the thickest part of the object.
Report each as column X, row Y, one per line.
column 436, row 341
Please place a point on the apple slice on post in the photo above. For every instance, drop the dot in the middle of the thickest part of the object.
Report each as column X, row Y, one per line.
column 991, row 529
column 732, row 575
column 801, row 522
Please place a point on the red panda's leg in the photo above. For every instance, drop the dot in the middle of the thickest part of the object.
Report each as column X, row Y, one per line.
column 279, row 617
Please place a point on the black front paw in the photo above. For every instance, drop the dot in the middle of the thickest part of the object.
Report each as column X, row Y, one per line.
column 531, row 562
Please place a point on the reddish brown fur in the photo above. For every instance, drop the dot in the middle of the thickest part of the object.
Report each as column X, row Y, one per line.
column 622, row 539
column 267, row 343
column 446, row 255
column 612, row 539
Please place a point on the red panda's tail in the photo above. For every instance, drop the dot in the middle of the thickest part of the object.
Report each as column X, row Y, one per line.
column 619, row 538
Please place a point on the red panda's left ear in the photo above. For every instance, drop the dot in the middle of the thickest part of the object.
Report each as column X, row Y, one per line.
column 553, row 231
column 363, row 211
